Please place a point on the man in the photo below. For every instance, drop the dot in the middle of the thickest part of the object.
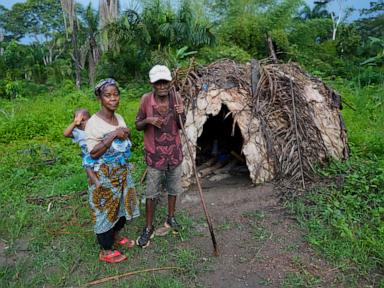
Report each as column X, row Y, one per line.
column 158, row 117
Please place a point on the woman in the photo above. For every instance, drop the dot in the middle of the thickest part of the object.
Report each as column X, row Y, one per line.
column 115, row 201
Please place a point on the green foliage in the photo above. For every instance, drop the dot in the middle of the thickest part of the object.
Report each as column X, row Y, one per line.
column 173, row 58
column 318, row 11
column 176, row 27
column 349, row 41
column 372, row 21
column 345, row 222
column 159, row 32
column 378, row 59
column 370, row 75
column 366, row 134
column 20, row 89
column 344, row 219
column 247, row 25
column 208, row 55
column 36, row 17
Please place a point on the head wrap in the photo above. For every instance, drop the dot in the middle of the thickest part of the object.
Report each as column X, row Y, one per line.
column 103, row 84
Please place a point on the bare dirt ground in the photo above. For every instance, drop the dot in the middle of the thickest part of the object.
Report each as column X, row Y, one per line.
column 260, row 243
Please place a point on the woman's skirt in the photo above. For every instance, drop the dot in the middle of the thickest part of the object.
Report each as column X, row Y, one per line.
column 115, row 198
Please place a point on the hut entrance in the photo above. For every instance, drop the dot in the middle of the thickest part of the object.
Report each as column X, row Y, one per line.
column 219, row 147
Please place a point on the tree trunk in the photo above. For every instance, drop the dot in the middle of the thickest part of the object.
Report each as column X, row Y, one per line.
column 255, row 75
column 93, row 59
column 76, row 54
column 272, row 52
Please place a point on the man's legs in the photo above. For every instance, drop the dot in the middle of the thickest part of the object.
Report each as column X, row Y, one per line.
column 152, row 192
column 173, row 185
column 149, row 211
column 171, row 205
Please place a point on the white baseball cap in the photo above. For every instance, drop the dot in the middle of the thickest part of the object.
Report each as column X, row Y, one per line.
column 159, row 72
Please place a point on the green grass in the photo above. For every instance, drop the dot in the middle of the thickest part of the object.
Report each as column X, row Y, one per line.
column 345, row 219
column 46, row 221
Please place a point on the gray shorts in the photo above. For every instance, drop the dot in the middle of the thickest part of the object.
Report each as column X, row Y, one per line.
column 172, row 181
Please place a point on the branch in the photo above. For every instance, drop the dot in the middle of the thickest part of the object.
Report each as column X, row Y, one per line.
column 117, row 277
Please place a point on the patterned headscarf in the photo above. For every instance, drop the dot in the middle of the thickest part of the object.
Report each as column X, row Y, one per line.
column 103, row 84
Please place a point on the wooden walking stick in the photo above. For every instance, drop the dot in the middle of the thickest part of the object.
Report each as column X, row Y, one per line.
column 215, row 250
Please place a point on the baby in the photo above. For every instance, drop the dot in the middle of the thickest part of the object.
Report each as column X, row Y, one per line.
column 75, row 130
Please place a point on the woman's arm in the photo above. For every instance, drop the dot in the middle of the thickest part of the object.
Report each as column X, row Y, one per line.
column 105, row 143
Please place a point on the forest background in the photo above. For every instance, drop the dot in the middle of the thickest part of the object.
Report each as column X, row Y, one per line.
column 71, row 46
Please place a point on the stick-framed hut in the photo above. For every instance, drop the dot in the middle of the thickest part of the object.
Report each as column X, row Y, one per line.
column 288, row 120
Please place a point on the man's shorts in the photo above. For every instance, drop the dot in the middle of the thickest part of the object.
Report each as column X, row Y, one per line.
column 172, row 181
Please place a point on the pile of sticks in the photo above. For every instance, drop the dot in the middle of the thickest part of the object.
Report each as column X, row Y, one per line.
column 293, row 140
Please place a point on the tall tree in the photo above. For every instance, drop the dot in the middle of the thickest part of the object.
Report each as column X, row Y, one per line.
column 70, row 14
column 371, row 23
column 339, row 17
column 91, row 27
column 37, row 19
column 109, row 11
column 319, row 10
column 249, row 22
column 108, row 14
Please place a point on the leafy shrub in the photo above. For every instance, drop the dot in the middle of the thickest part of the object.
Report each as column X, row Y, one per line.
column 233, row 52
column 24, row 127
column 135, row 89
column 370, row 75
column 345, row 221
column 19, row 89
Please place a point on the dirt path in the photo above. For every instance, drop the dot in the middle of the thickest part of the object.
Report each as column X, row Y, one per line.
column 260, row 243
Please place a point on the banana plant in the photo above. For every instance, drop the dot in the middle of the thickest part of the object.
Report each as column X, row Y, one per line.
column 379, row 58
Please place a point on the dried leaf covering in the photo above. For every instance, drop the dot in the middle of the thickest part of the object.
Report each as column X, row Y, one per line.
column 289, row 123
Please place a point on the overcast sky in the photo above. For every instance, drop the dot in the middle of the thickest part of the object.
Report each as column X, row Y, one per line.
column 357, row 4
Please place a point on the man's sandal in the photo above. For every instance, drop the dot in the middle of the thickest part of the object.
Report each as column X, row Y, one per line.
column 126, row 242
column 114, row 257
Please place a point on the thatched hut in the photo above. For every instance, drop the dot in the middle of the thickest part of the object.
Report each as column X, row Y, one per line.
column 280, row 120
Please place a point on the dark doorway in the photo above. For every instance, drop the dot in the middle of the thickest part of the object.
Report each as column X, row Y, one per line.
column 220, row 144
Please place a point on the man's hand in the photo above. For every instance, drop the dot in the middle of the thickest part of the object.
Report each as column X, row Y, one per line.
column 179, row 108
column 155, row 121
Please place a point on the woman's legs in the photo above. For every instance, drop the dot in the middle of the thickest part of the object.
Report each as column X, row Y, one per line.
column 107, row 240
column 119, row 240
column 119, row 224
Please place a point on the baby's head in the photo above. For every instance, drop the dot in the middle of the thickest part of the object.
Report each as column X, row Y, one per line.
column 84, row 117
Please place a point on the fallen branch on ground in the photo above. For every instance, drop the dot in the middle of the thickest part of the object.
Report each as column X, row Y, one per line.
column 117, row 277
column 38, row 200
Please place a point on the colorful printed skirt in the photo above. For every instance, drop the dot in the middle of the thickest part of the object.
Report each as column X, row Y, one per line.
column 114, row 199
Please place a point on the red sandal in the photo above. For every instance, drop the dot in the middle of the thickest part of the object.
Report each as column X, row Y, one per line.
column 114, row 257
column 126, row 242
